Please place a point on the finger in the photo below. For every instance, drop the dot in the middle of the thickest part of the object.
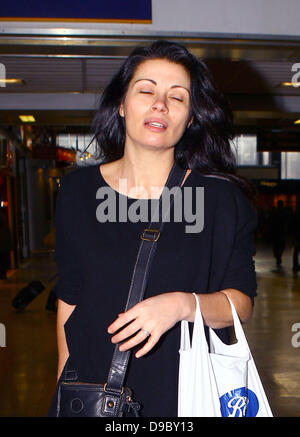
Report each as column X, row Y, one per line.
column 122, row 320
column 138, row 338
column 147, row 347
column 132, row 328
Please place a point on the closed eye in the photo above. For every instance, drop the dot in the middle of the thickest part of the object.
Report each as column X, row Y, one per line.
column 177, row 98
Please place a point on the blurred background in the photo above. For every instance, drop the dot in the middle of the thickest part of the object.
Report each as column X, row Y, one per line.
column 55, row 60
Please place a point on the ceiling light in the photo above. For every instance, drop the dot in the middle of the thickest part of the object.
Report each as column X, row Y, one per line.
column 27, row 118
column 20, row 81
column 294, row 84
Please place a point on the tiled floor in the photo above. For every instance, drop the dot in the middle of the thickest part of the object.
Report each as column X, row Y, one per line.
column 28, row 362
column 270, row 331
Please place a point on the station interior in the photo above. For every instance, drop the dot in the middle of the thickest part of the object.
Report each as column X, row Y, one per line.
column 55, row 78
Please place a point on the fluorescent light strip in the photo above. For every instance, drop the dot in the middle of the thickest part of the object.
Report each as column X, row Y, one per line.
column 27, row 118
column 11, row 81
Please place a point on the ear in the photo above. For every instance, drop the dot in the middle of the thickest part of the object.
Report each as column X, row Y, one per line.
column 190, row 122
column 121, row 110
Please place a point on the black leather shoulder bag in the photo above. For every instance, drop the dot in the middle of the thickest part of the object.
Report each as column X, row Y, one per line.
column 112, row 399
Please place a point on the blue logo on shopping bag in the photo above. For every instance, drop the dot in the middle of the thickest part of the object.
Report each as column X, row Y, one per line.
column 240, row 402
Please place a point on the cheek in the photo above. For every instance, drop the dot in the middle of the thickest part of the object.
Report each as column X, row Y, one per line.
column 133, row 111
column 132, row 116
column 181, row 124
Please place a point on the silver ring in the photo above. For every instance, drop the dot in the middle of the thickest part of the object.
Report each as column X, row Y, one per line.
column 146, row 332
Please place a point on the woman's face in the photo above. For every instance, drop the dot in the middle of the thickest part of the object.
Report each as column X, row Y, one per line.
column 157, row 105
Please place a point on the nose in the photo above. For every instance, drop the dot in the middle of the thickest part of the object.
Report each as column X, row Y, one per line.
column 160, row 105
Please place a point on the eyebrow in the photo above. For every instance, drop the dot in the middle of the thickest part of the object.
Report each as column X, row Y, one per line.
column 173, row 86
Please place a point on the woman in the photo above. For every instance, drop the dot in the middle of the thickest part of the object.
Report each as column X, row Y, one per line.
column 160, row 106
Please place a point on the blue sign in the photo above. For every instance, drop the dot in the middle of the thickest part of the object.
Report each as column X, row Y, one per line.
column 241, row 402
column 78, row 10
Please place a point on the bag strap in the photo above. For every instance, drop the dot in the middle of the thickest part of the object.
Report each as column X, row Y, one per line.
column 146, row 251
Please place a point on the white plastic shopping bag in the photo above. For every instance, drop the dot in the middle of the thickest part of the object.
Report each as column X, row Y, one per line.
column 222, row 382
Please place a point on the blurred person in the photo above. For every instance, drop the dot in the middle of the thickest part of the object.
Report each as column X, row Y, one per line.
column 295, row 233
column 5, row 245
column 278, row 222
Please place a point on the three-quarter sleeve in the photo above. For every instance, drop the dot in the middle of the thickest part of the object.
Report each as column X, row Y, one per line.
column 237, row 222
column 69, row 282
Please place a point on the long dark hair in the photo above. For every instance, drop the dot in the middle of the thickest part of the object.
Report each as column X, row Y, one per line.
column 204, row 146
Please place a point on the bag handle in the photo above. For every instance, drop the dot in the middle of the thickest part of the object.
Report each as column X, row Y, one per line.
column 199, row 328
column 146, row 251
column 239, row 332
column 198, row 331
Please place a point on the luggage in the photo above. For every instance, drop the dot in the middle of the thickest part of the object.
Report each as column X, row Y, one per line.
column 27, row 294
column 31, row 291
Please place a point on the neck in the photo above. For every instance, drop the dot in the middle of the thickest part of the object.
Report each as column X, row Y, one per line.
column 147, row 172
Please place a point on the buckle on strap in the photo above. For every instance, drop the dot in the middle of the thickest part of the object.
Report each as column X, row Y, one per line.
column 154, row 235
column 104, row 389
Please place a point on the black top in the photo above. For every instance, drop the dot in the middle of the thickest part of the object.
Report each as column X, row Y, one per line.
column 95, row 262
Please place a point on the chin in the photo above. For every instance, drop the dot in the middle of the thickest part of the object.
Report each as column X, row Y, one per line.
column 157, row 143
column 157, row 146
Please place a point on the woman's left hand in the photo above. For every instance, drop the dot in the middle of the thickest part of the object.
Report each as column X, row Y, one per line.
column 156, row 315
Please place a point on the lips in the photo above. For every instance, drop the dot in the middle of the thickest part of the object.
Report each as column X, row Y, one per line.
column 156, row 123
